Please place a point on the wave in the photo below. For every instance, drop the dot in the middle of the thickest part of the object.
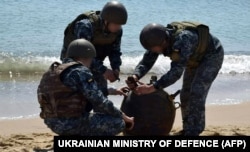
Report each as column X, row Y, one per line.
column 24, row 65
column 9, row 64
column 233, row 64
column 20, row 117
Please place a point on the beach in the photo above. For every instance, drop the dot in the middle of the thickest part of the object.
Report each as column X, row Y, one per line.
column 31, row 134
column 32, row 37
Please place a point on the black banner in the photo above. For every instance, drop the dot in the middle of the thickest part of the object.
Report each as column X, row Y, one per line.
column 170, row 143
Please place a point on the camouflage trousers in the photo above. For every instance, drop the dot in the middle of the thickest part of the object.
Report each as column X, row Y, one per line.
column 196, row 85
column 90, row 124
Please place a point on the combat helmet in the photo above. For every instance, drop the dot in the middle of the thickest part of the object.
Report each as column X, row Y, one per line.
column 114, row 12
column 153, row 35
column 81, row 48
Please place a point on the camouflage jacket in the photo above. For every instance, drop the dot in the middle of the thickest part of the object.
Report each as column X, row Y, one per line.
column 186, row 43
column 84, row 29
column 79, row 78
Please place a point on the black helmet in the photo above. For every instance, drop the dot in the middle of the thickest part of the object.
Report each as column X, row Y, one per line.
column 114, row 12
column 81, row 48
column 153, row 35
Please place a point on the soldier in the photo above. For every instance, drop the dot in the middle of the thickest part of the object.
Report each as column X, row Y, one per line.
column 192, row 48
column 65, row 92
column 104, row 30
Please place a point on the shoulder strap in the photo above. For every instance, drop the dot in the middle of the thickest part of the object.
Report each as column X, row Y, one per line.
column 54, row 65
column 202, row 30
column 91, row 15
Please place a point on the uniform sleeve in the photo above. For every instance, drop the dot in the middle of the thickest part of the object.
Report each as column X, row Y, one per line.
column 97, row 65
column 83, row 29
column 185, row 43
column 115, row 56
column 145, row 64
column 81, row 80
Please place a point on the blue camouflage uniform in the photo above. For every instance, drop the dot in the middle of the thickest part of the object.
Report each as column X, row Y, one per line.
column 196, row 81
column 84, row 29
column 105, row 120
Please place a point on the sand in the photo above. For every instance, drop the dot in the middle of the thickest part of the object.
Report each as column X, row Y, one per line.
column 25, row 135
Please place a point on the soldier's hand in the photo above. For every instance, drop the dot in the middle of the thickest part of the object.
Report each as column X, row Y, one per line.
column 129, row 121
column 116, row 74
column 122, row 91
column 109, row 75
column 144, row 89
column 132, row 82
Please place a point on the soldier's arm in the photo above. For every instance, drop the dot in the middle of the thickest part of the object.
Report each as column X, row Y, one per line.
column 84, row 29
column 185, row 44
column 80, row 79
column 98, row 66
column 145, row 64
column 115, row 55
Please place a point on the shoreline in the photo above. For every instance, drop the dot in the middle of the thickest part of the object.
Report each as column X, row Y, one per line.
column 216, row 115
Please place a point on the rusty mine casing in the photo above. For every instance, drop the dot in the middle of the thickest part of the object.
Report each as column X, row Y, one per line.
column 154, row 113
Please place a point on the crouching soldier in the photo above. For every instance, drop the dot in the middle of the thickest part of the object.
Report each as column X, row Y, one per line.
column 67, row 93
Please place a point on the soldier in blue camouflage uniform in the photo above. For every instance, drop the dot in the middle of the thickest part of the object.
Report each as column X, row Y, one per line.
column 198, row 55
column 103, row 29
column 66, row 91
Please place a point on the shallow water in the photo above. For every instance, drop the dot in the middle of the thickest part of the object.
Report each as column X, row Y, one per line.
column 19, row 100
